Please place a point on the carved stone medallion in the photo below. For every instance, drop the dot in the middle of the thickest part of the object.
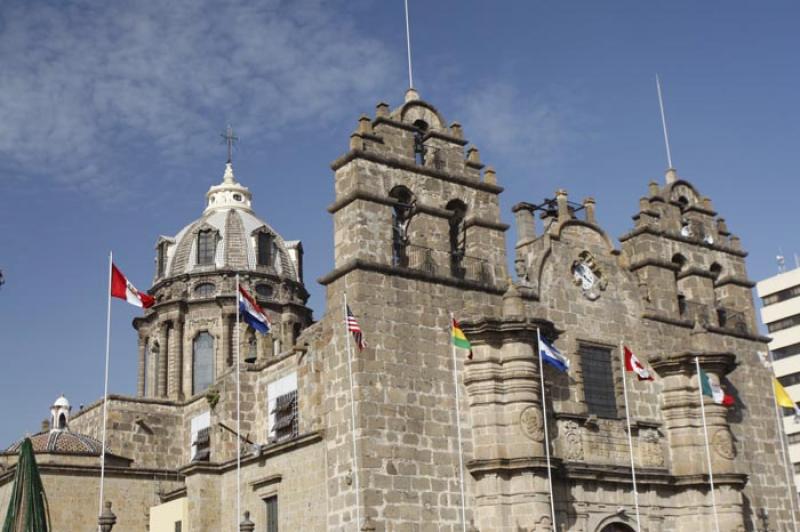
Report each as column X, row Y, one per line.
column 573, row 441
column 532, row 425
column 722, row 441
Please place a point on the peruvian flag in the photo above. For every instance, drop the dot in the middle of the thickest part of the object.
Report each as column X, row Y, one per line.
column 632, row 364
column 123, row 289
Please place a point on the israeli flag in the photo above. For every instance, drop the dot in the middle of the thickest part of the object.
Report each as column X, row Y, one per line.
column 553, row 356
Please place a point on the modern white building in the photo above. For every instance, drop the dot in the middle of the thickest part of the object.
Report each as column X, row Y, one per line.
column 780, row 312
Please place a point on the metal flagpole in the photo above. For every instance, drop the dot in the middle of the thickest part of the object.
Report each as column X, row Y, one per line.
column 352, row 412
column 630, row 437
column 708, row 449
column 458, row 427
column 663, row 120
column 546, row 436
column 782, row 435
column 238, row 417
column 105, row 386
column 408, row 46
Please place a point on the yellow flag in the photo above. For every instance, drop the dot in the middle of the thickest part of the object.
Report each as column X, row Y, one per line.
column 782, row 396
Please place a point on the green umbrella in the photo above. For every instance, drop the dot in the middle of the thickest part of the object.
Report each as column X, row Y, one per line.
column 26, row 509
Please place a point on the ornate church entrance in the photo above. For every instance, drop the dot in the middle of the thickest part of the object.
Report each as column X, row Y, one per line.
column 617, row 527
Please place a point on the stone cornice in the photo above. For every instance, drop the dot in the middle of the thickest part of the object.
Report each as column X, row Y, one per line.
column 72, row 470
column 683, row 363
column 689, row 324
column 480, row 331
column 504, row 465
column 736, row 281
column 653, row 262
column 361, row 264
column 646, row 229
column 412, row 167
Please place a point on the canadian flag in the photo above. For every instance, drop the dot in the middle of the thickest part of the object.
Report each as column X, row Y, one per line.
column 123, row 289
column 632, row 364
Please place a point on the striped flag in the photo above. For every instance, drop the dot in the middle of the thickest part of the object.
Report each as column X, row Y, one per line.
column 460, row 339
column 355, row 328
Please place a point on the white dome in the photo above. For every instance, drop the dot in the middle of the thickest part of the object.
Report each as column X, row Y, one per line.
column 62, row 402
column 229, row 216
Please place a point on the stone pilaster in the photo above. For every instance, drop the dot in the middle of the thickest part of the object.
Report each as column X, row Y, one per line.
column 163, row 342
column 175, row 359
column 142, row 367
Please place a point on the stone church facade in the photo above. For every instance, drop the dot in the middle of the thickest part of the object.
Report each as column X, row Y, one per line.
column 418, row 235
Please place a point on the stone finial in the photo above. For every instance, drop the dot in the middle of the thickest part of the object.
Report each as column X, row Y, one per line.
column 671, row 175
column 512, row 302
column 456, row 131
column 644, row 204
column 473, row 155
column 356, row 142
column 526, row 225
column 489, row 176
column 707, row 203
column 563, row 206
column 382, row 109
column 45, row 425
column 588, row 206
column 107, row 519
column 652, row 188
column 736, row 243
column 722, row 227
column 246, row 525
column 365, row 125
column 411, row 95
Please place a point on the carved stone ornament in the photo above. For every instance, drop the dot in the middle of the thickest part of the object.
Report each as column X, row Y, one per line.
column 532, row 424
column 722, row 441
column 587, row 275
column 652, row 454
column 572, row 446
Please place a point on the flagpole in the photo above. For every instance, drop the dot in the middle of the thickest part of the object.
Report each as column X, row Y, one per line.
column 352, row 412
column 105, row 386
column 782, row 435
column 663, row 121
column 630, row 436
column 458, row 427
column 408, row 47
column 546, row 436
column 708, row 448
column 238, row 417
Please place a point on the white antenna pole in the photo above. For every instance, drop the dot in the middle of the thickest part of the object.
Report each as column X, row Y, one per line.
column 546, row 436
column 458, row 427
column 408, row 46
column 782, row 436
column 630, row 437
column 352, row 412
column 663, row 121
column 105, row 386
column 238, row 418
column 708, row 448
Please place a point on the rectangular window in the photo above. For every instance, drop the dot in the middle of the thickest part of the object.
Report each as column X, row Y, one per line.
column 787, row 351
column 598, row 381
column 178, row 526
column 272, row 513
column 790, row 379
column 162, row 259
column 783, row 295
column 264, row 249
column 206, row 247
column 785, row 323
column 282, row 407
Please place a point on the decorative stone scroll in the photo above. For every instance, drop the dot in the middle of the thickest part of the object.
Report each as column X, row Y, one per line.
column 722, row 442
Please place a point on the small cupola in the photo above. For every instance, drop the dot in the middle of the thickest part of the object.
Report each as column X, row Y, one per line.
column 59, row 414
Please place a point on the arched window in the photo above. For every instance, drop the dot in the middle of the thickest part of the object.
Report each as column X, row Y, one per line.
column 62, row 421
column 679, row 263
column 264, row 242
column 205, row 290
column 401, row 218
column 419, row 145
column 202, row 362
column 162, row 259
column 251, row 349
column 458, row 237
column 206, row 247
column 716, row 270
column 264, row 290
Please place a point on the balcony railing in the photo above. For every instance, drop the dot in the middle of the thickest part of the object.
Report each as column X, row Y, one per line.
column 732, row 320
column 444, row 264
column 726, row 318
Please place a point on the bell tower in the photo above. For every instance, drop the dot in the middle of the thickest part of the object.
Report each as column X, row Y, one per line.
column 417, row 235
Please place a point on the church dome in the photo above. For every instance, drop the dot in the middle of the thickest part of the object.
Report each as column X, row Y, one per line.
column 62, row 442
column 228, row 236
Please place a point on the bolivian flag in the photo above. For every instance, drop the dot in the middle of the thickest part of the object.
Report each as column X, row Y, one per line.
column 783, row 398
column 460, row 339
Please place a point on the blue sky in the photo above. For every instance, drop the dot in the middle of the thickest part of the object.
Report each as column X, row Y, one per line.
column 110, row 115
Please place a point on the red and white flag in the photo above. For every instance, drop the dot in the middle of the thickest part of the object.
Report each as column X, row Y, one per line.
column 123, row 289
column 632, row 364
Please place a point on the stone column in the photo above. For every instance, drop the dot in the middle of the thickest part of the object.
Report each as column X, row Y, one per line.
column 142, row 367
column 175, row 359
column 163, row 341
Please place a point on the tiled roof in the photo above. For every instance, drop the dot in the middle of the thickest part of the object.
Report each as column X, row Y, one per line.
column 62, row 441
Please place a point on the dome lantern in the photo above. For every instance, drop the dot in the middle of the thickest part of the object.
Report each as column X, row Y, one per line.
column 59, row 414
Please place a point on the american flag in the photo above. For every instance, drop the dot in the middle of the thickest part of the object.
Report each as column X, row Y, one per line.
column 355, row 328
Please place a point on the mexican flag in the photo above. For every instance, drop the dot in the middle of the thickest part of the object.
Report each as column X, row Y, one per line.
column 714, row 391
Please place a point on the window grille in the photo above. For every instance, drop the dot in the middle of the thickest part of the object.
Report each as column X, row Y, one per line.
column 598, row 381
column 202, row 445
column 285, row 426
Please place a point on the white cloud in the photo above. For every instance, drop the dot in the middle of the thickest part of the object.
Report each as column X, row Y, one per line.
column 82, row 81
column 527, row 128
